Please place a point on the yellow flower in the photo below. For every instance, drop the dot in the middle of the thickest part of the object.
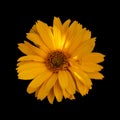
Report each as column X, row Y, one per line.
column 59, row 60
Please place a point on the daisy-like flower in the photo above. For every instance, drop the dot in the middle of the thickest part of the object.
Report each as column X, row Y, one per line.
column 59, row 60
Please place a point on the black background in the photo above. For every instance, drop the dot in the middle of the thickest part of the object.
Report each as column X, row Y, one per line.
column 99, row 103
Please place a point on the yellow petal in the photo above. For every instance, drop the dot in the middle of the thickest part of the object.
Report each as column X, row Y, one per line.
column 72, row 30
column 63, row 79
column 80, row 37
column 37, row 82
column 86, row 35
column 96, row 75
column 72, row 97
column 22, row 63
column 57, row 38
column 64, row 33
column 25, row 49
column 30, row 65
column 57, row 23
column 58, row 92
column 33, row 29
column 59, row 32
column 36, row 50
column 65, row 26
column 51, row 96
column 76, row 39
column 71, row 84
column 82, row 76
column 36, row 92
column 46, row 87
column 83, row 90
column 93, row 57
column 31, row 57
column 91, row 67
column 66, row 94
column 35, row 38
column 29, row 74
column 84, row 49
column 71, row 34
column 46, row 34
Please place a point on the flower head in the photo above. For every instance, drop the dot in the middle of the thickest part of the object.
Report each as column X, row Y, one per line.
column 59, row 60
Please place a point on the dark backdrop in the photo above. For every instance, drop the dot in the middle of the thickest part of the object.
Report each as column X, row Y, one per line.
column 100, row 100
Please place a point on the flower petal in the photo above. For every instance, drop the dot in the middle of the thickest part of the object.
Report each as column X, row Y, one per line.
column 33, row 29
column 25, row 49
column 93, row 57
column 58, row 92
column 35, row 38
column 36, row 50
column 96, row 75
column 22, row 63
column 30, row 65
column 59, row 32
column 82, row 35
column 51, row 96
column 63, row 79
column 66, row 94
column 46, row 87
column 82, row 76
column 76, row 39
column 65, row 26
column 84, row 49
column 37, row 82
column 82, row 88
column 57, row 38
column 29, row 73
column 46, row 34
column 71, row 34
column 91, row 67
column 31, row 57
column 86, row 35
column 72, row 97
column 71, row 84
column 57, row 23
column 64, row 33
column 36, row 92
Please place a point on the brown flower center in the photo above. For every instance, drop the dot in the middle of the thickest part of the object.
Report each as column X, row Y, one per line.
column 57, row 60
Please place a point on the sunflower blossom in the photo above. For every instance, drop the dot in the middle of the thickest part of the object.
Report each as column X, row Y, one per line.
column 59, row 60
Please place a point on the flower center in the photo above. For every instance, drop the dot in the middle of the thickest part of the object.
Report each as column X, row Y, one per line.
column 57, row 60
